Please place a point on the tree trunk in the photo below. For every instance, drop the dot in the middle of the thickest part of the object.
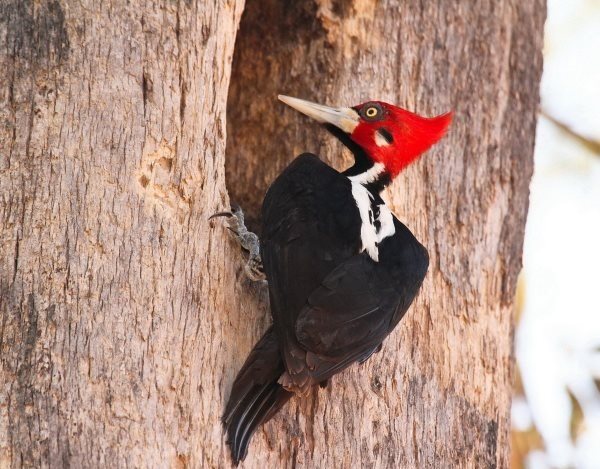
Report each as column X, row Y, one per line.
column 124, row 315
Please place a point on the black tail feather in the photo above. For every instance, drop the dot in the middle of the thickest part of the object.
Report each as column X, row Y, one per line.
column 256, row 395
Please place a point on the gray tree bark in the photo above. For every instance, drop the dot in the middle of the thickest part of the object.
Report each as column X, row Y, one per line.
column 125, row 315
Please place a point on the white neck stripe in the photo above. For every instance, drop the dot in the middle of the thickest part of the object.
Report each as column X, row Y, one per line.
column 369, row 234
column 371, row 175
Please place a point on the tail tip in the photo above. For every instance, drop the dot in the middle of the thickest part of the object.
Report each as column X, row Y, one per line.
column 237, row 452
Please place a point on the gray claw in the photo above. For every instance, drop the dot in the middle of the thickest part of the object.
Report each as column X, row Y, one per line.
column 247, row 240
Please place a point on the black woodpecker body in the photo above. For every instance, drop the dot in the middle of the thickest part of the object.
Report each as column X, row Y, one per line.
column 342, row 270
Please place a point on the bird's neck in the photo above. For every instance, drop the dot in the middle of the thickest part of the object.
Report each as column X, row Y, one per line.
column 373, row 176
column 377, row 222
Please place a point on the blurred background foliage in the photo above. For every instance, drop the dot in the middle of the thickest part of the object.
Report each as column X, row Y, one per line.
column 556, row 408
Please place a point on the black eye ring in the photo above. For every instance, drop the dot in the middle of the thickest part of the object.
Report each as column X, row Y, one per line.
column 372, row 112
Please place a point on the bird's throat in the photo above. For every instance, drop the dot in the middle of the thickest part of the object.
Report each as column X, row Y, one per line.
column 374, row 177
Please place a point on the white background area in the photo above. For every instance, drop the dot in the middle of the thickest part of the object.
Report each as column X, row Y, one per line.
column 558, row 338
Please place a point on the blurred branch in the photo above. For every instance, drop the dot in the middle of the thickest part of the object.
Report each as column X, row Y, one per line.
column 591, row 144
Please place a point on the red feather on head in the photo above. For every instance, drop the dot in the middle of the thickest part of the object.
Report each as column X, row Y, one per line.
column 403, row 135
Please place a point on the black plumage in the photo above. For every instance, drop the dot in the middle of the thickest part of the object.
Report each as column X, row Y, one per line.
column 332, row 305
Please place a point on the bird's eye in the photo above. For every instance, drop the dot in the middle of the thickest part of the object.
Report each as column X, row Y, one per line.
column 371, row 112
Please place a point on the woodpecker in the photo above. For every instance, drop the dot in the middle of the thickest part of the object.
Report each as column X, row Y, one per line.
column 341, row 269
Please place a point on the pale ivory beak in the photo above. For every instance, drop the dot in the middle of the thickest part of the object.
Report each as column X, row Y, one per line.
column 344, row 118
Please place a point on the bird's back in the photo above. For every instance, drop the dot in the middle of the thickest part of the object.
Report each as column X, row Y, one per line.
column 310, row 224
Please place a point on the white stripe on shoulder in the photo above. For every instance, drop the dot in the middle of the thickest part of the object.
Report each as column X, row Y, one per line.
column 369, row 235
column 387, row 223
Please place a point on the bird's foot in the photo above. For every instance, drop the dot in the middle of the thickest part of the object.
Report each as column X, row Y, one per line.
column 247, row 240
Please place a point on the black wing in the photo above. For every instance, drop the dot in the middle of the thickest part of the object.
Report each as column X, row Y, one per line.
column 349, row 312
column 310, row 226
column 317, row 281
column 360, row 302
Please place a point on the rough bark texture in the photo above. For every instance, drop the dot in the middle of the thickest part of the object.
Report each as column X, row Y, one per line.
column 115, row 333
column 438, row 394
column 124, row 315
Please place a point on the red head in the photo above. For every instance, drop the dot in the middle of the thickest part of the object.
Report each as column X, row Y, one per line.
column 386, row 134
column 394, row 136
